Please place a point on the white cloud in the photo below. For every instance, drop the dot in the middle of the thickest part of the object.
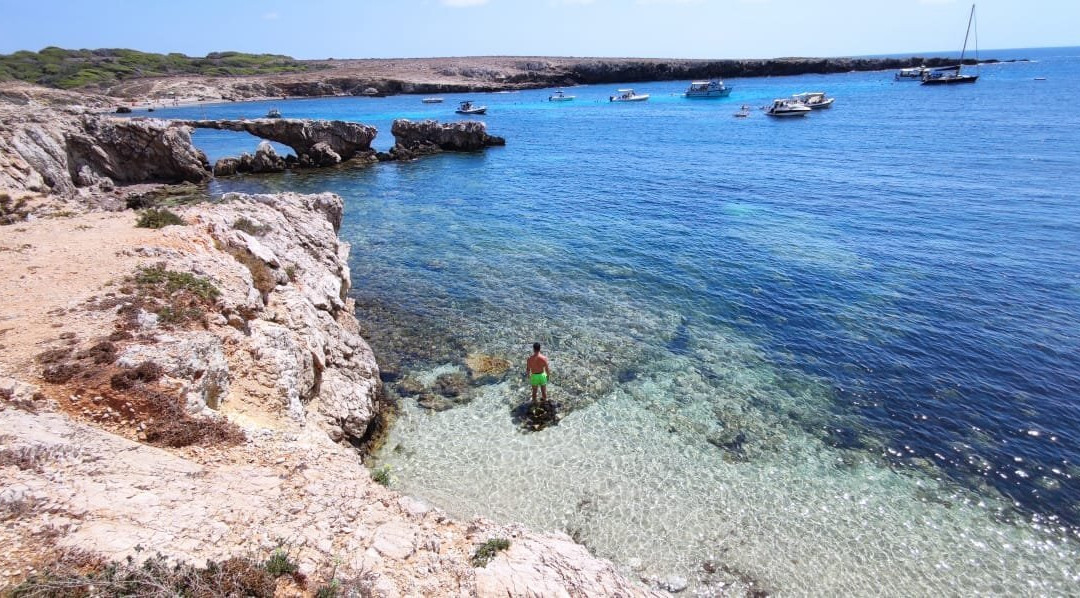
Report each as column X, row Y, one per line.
column 271, row 16
column 462, row 3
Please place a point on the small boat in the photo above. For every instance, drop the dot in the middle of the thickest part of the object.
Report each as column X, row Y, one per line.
column 432, row 100
column 949, row 75
column 744, row 111
column 467, row 107
column 273, row 113
column 910, row 74
column 784, row 107
column 628, row 95
column 714, row 88
column 814, row 100
column 1040, row 78
column 560, row 96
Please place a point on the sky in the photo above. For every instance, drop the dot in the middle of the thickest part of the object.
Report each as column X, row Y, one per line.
column 318, row 29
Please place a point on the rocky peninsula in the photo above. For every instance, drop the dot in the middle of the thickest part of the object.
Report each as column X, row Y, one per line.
column 197, row 388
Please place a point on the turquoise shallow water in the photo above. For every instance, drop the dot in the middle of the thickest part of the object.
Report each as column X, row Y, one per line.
column 836, row 355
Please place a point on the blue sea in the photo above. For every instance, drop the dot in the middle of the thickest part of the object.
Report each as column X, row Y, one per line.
column 837, row 355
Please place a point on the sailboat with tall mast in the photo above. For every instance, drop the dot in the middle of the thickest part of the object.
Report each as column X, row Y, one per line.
column 948, row 75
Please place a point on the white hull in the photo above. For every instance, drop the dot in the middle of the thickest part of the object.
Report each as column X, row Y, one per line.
column 640, row 98
column 432, row 100
column 788, row 113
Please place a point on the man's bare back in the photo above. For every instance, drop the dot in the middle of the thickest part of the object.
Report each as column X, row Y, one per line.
column 538, row 363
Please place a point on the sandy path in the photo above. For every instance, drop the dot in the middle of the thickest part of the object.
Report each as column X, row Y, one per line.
column 45, row 277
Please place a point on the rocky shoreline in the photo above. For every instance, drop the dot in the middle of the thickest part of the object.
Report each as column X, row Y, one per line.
column 198, row 387
column 380, row 77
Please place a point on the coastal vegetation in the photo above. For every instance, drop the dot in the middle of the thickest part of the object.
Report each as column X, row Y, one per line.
column 158, row 218
column 12, row 210
column 68, row 69
column 488, row 550
column 75, row 572
column 381, row 475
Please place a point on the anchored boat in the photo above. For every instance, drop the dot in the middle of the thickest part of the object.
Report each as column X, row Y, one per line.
column 628, row 95
column 914, row 73
column 949, row 75
column 467, row 107
column 714, row 88
column 560, row 96
column 432, row 100
column 784, row 108
column 814, row 100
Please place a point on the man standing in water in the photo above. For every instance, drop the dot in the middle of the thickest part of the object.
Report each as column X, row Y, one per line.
column 536, row 368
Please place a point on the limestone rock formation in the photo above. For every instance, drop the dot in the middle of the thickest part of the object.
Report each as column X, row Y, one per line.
column 430, row 136
column 316, row 142
column 266, row 159
column 61, row 150
column 306, row 345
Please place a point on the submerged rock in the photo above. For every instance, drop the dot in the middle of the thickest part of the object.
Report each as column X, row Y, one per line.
column 484, row 369
column 534, row 416
column 434, row 402
column 451, row 385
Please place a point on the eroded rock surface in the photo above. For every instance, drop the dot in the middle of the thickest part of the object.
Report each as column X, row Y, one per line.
column 416, row 138
column 49, row 149
column 316, row 142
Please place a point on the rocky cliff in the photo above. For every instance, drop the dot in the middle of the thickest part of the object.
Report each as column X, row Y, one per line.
column 63, row 149
column 240, row 319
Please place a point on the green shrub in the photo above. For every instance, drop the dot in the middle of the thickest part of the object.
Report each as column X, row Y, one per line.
column 249, row 227
column 158, row 218
column 381, row 475
column 174, row 281
column 57, row 67
column 261, row 275
column 279, row 564
column 75, row 572
column 12, row 210
column 176, row 297
column 330, row 590
column 488, row 550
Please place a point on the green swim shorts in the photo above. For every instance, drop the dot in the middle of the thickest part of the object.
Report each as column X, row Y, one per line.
column 538, row 379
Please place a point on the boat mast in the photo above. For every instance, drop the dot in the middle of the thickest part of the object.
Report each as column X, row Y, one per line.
column 971, row 18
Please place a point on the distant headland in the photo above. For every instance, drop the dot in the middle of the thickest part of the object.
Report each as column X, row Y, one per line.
column 234, row 76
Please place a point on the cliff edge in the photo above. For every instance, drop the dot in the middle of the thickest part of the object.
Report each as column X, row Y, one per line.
column 180, row 391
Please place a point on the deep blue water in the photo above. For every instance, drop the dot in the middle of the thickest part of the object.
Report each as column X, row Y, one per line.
column 910, row 258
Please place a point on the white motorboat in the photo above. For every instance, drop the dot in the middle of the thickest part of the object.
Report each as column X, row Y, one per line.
column 467, row 107
column 714, row 88
column 628, row 95
column 273, row 113
column 910, row 74
column 744, row 111
column 560, row 96
column 814, row 100
column 432, row 100
column 784, row 107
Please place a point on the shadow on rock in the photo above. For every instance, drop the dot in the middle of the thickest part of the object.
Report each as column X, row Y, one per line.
column 533, row 416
